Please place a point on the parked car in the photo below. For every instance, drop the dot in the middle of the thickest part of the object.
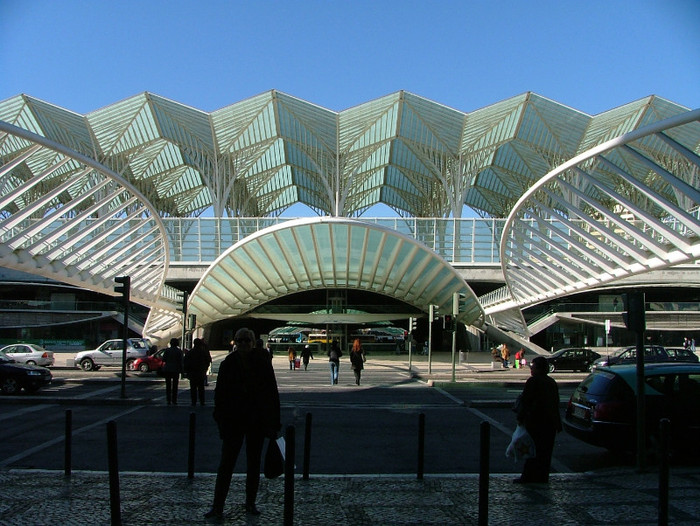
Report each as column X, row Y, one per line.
column 626, row 355
column 29, row 353
column 148, row 363
column 16, row 376
column 602, row 409
column 574, row 359
column 110, row 353
column 680, row 354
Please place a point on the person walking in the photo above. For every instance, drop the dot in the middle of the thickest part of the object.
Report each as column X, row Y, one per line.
column 538, row 410
column 171, row 369
column 519, row 358
column 505, row 355
column 292, row 354
column 334, row 355
column 196, row 363
column 246, row 406
column 305, row 355
column 357, row 360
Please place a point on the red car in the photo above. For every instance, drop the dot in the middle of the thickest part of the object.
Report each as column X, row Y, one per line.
column 149, row 363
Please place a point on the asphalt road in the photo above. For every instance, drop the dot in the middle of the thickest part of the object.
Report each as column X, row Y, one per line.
column 367, row 429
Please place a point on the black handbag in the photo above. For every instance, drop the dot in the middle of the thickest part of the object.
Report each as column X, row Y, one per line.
column 274, row 461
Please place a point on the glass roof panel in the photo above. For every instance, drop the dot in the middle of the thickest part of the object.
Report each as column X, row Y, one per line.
column 440, row 154
column 324, row 253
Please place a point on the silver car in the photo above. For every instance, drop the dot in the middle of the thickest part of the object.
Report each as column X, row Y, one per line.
column 29, row 353
column 110, row 354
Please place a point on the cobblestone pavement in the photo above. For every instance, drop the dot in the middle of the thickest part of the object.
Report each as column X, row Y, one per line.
column 617, row 497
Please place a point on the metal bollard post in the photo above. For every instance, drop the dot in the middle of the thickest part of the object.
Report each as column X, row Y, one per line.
column 289, row 437
column 114, row 501
column 485, row 451
column 67, row 458
column 664, row 428
column 421, row 444
column 307, row 446
column 190, row 456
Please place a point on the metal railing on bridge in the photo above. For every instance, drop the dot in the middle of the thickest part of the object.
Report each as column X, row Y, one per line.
column 458, row 241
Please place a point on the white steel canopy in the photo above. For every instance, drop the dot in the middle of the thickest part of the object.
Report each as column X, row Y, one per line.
column 328, row 253
column 626, row 207
column 66, row 217
column 259, row 156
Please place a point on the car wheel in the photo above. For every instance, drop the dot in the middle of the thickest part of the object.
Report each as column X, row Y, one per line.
column 130, row 365
column 31, row 362
column 144, row 368
column 86, row 364
column 10, row 386
column 552, row 367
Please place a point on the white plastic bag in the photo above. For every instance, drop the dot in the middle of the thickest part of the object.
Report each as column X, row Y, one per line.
column 283, row 447
column 521, row 445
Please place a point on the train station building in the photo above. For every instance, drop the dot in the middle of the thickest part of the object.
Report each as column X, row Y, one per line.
column 526, row 219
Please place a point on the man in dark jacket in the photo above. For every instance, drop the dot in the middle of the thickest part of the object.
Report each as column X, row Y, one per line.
column 246, row 406
column 171, row 369
column 196, row 362
column 334, row 355
column 538, row 411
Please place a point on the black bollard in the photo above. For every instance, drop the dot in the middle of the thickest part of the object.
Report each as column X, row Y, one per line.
column 421, row 444
column 307, row 446
column 190, row 456
column 67, row 452
column 114, row 501
column 664, row 427
column 485, row 452
column 289, row 437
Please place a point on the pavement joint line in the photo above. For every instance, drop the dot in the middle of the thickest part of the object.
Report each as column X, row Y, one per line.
column 24, row 411
column 59, row 439
column 458, row 401
column 98, row 392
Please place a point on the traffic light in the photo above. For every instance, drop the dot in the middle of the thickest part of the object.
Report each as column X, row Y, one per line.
column 123, row 288
column 183, row 302
column 434, row 313
column 412, row 324
column 448, row 323
column 634, row 315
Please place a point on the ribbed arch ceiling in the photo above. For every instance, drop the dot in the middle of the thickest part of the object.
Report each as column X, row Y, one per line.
column 263, row 154
column 66, row 217
column 328, row 253
column 607, row 214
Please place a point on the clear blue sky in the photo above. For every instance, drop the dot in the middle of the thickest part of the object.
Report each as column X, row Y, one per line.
column 590, row 55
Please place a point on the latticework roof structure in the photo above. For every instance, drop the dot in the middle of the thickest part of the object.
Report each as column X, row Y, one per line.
column 262, row 155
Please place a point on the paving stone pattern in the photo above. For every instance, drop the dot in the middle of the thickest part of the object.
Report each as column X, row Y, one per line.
column 619, row 497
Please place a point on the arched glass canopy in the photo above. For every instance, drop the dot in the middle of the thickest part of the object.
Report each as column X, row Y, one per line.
column 329, row 253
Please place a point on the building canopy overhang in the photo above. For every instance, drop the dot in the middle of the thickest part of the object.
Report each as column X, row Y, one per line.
column 329, row 253
column 262, row 155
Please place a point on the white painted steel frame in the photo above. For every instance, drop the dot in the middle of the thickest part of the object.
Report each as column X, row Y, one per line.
column 78, row 222
column 615, row 226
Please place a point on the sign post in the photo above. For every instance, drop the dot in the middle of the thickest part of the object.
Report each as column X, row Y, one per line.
column 124, row 288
